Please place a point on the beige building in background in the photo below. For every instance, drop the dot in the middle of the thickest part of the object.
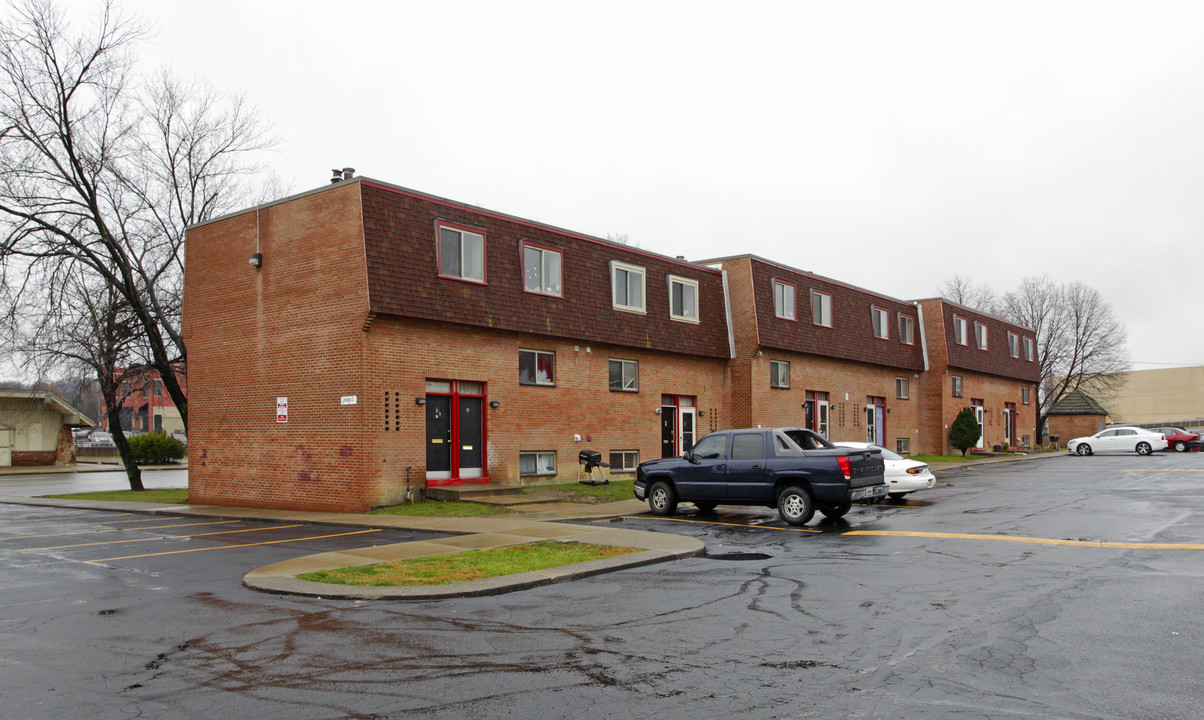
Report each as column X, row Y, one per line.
column 1170, row 395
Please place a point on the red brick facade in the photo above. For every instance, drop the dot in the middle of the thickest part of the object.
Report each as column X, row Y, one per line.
column 400, row 373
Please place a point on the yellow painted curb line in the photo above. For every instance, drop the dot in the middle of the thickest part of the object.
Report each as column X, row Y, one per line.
column 1040, row 541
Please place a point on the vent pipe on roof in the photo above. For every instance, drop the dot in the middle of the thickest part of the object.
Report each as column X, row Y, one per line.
column 340, row 175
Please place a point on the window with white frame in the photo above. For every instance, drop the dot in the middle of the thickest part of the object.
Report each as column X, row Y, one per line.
column 1024, row 396
column 536, row 367
column 957, row 386
column 980, row 335
column 1013, row 344
column 627, row 287
column 903, row 446
column 881, row 322
column 541, row 270
column 624, row 375
column 907, row 329
column 821, row 308
column 1028, row 349
column 902, row 388
column 960, row 330
column 461, row 253
column 779, row 374
column 624, row 460
column 683, row 299
column 541, row 462
column 783, row 299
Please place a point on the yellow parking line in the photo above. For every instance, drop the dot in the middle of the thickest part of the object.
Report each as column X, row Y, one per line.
column 1041, row 541
column 145, row 527
column 230, row 547
column 711, row 522
column 161, row 537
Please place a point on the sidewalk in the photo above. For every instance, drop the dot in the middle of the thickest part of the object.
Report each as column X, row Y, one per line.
column 537, row 522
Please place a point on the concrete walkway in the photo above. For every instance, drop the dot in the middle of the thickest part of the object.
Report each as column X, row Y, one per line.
column 530, row 523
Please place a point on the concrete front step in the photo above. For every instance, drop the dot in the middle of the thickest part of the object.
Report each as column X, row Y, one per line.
column 472, row 493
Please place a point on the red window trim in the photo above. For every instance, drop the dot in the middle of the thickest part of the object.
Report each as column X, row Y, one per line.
column 957, row 317
column 779, row 281
column 986, row 336
column 439, row 225
column 912, row 318
column 885, row 322
column 828, row 295
column 522, row 265
column 1010, row 336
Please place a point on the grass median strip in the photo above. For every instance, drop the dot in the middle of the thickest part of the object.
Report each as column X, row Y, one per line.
column 469, row 565
column 175, row 496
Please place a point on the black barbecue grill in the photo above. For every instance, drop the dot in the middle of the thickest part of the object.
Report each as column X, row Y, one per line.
column 591, row 460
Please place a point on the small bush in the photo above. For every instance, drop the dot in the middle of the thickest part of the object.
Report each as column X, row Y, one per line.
column 965, row 431
column 156, row 448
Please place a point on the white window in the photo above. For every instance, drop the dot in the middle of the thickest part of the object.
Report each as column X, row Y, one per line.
column 1013, row 344
column 881, row 323
column 960, row 331
column 957, row 386
column 683, row 299
column 903, row 446
column 821, row 308
column 536, row 367
column 980, row 335
column 627, row 287
column 461, row 253
column 541, row 270
column 907, row 329
column 624, row 460
column 537, row 463
column 624, row 375
column 779, row 374
column 902, row 388
column 1028, row 349
column 1024, row 396
column 783, row 300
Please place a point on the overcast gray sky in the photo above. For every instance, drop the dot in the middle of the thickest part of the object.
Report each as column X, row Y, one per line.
column 885, row 144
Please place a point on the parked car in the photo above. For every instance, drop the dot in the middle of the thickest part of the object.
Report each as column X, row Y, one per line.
column 1119, row 439
column 792, row 469
column 180, row 435
column 1177, row 438
column 903, row 476
column 101, row 437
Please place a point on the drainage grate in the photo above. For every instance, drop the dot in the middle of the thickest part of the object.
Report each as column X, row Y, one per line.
column 739, row 556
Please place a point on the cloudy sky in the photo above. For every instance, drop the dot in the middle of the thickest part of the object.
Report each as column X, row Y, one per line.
column 886, row 144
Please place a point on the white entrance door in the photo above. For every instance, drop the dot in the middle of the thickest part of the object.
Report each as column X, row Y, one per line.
column 6, row 447
column 978, row 415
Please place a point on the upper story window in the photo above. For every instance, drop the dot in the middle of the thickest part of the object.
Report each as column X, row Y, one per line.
column 783, row 300
column 907, row 329
column 821, row 308
column 957, row 385
column 1028, row 349
column 902, row 388
column 960, row 331
column 1013, row 344
column 624, row 375
column 627, row 287
column 158, row 388
column 1024, row 396
column 541, row 270
column 980, row 335
column 536, row 367
column 881, row 322
column 461, row 253
column 683, row 299
column 779, row 374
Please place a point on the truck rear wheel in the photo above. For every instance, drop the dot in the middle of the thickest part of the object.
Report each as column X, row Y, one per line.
column 836, row 511
column 795, row 506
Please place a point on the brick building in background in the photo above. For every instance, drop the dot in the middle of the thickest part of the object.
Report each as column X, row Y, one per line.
column 979, row 361
column 146, row 406
column 381, row 341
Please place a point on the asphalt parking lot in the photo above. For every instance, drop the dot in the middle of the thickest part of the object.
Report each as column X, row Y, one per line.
column 1066, row 587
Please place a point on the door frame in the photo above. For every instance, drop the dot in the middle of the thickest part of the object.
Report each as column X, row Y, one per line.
column 679, row 406
column 980, row 410
column 481, row 476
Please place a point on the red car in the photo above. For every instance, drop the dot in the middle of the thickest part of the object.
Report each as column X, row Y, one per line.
column 1176, row 438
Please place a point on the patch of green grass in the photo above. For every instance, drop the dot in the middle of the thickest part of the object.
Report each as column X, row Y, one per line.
column 468, row 565
column 938, row 458
column 579, row 492
column 175, row 496
column 435, row 508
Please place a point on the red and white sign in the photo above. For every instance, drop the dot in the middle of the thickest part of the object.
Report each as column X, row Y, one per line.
column 281, row 409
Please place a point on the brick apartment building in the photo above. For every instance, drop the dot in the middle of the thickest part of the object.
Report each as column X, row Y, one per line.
column 146, row 406
column 381, row 341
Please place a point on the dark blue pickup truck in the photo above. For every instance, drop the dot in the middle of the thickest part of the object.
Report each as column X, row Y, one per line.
column 792, row 469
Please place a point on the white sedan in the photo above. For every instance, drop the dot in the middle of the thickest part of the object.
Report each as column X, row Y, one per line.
column 1119, row 439
column 903, row 476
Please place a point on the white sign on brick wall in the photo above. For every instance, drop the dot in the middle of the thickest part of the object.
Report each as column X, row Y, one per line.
column 281, row 409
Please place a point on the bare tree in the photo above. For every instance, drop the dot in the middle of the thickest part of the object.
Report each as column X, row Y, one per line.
column 105, row 172
column 964, row 291
column 1079, row 341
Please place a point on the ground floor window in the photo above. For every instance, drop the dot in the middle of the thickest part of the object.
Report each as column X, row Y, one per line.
column 537, row 463
column 903, row 446
column 624, row 460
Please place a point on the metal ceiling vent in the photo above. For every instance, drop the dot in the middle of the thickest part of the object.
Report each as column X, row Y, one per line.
column 341, row 175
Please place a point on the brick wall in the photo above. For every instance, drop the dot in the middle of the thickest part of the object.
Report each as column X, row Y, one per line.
column 1069, row 427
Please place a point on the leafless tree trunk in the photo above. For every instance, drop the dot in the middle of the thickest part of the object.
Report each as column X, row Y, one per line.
column 105, row 171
